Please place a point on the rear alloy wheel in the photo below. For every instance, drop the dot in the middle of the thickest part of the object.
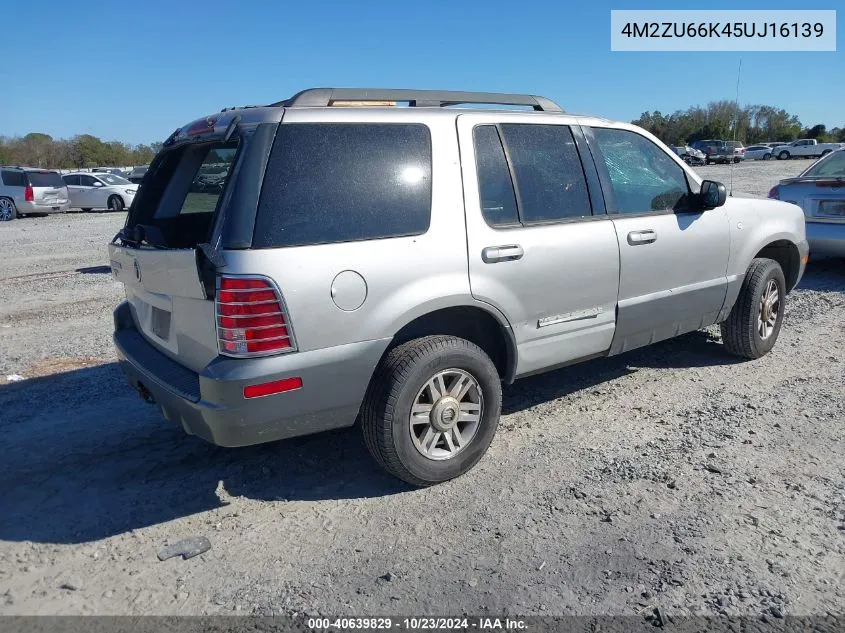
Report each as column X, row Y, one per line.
column 432, row 409
column 8, row 212
column 116, row 203
column 754, row 323
column 784, row 155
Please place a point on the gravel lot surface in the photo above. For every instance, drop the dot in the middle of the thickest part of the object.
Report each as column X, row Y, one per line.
column 672, row 476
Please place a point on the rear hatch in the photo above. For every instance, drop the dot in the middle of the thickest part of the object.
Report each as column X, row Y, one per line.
column 48, row 188
column 164, row 255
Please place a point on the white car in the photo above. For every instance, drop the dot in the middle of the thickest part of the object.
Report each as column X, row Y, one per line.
column 99, row 191
column 758, row 152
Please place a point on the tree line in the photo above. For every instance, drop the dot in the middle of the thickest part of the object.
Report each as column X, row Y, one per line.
column 723, row 120
column 79, row 152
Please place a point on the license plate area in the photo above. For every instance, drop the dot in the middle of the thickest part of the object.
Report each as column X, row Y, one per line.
column 160, row 323
column 832, row 208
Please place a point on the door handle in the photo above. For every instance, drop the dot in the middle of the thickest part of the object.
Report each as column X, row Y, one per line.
column 635, row 238
column 493, row 254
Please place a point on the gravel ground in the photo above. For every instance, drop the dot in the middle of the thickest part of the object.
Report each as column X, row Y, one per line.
column 672, row 476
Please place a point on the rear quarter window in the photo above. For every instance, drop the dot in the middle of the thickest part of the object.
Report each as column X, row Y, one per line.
column 13, row 178
column 343, row 182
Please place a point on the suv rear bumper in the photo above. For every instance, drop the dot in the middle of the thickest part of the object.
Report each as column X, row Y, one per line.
column 826, row 238
column 211, row 404
column 32, row 207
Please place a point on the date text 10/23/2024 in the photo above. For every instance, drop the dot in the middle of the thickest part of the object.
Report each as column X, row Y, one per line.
column 417, row 624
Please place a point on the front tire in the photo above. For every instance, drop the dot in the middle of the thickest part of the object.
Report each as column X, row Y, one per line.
column 8, row 210
column 751, row 329
column 784, row 155
column 432, row 409
column 116, row 203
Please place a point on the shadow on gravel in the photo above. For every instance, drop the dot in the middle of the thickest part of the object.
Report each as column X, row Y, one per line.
column 824, row 274
column 95, row 270
column 696, row 349
column 83, row 458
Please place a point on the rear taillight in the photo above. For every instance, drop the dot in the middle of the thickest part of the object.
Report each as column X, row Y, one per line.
column 773, row 192
column 251, row 318
column 29, row 194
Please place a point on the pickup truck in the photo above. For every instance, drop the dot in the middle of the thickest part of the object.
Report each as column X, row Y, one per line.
column 804, row 148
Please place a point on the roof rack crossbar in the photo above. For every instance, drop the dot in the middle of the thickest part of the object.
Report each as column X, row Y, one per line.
column 322, row 97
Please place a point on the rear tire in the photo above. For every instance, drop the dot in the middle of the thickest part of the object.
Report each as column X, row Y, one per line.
column 432, row 409
column 8, row 210
column 826, row 152
column 751, row 329
column 87, row 210
column 116, row 203
column 767, row 156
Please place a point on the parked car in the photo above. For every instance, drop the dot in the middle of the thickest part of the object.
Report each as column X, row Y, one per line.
column 396, row 265
column 28, row 191
column 804, row 148
column 738, row 150
column 99, row 191
column 690, row 155
column 758, row 152
column 714, row 151
column 109, row 170
column 820, row 192
column 137, row 174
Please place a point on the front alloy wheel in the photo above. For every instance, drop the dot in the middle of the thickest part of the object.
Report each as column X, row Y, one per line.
column 769, row 310
column 752, row 327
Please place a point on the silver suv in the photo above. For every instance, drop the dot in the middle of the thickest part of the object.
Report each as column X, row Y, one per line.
column 29, row 191
column 396, row 265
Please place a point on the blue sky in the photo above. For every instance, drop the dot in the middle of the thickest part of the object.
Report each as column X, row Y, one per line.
column 134, row 71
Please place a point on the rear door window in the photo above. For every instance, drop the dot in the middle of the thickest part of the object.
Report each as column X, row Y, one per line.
column 71, row 180
column 495, row 187
column 343, row 182
column 45, row 179
column 550, row 180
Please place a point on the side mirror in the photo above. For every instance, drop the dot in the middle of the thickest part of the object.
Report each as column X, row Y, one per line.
column 97, row 183
column 713, row 194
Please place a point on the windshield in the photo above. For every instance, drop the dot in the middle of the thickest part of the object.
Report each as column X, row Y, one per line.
column 45, row 179
column 831, row 167
column 111, row 179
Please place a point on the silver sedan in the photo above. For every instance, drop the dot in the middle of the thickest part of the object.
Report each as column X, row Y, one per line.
column 820, row 191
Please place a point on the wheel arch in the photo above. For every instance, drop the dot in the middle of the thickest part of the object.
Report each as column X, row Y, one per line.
column 785, row 252
column 477, row 323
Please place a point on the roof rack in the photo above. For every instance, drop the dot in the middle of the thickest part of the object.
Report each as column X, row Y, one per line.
column 322, row 97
